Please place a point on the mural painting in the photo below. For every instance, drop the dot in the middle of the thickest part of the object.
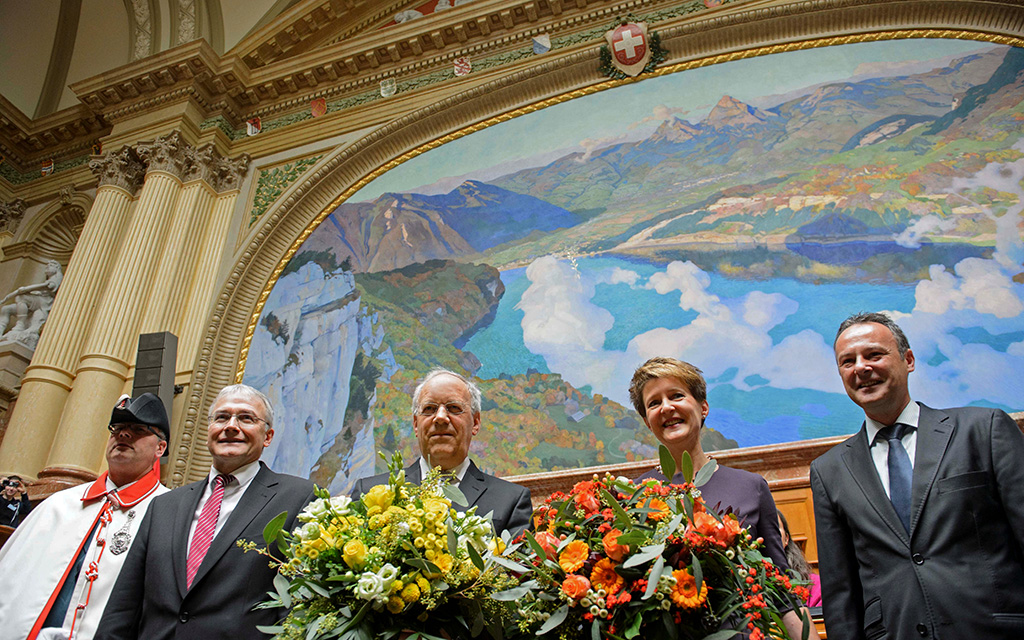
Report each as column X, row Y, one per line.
column 729, row 215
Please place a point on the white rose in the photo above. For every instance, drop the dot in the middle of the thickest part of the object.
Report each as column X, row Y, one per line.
column 388, row 573
column 370, row 586
column 309, row 531
column 314, row 510
column 340, row 503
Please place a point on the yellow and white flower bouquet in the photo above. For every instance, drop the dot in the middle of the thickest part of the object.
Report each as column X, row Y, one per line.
column 399, row 562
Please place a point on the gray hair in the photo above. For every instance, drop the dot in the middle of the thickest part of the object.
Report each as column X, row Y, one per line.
column 864, row 317
column 474, row 391
column 250, row 393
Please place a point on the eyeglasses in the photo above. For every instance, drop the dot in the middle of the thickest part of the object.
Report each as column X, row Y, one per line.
column 222, row 418
column 137, row 430
column 431, row 408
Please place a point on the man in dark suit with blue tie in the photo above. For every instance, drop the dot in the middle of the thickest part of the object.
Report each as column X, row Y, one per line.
column 919, row 515
column 185, row 577
column 446, row 415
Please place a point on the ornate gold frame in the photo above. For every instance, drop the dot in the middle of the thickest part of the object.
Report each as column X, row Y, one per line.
column 757, row 29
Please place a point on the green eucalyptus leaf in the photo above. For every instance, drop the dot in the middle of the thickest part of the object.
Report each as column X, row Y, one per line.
column 705, row 473
column 697, row 571
column 724, row 634
column 474, row 556
column 509, row 564
column 621, row 517
column 634, row 626
column 646, row 554
column 652, row 579
column 274, row 527
column 687, row 467
column 281, row 584
column 668, row 465
column 556, row 619
column 454, row 494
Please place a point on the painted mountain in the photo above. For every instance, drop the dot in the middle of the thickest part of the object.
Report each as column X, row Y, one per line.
column 397, row 230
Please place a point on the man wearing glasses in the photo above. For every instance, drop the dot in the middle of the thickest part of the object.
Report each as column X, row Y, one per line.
column 186, row 577
column 445, row 417
column 60, row 565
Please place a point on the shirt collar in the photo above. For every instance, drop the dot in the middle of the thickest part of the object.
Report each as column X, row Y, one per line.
column 459, row 471
column 243, row 474
column 910, row 416
column 130, row 494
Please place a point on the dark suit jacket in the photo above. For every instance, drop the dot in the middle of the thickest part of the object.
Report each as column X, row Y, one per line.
column 959, row 574
column 150, row 600
column 509, row 503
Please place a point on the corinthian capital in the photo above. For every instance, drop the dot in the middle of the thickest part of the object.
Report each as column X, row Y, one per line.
column 230, row 173
column 202, row 164
column 167, row 153
column 120, row 169
column 11, row 214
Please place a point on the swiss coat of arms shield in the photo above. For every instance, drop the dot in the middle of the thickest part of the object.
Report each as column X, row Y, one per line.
column 629, row 47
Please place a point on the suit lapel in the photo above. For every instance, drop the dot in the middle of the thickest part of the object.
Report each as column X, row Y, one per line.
column 186, row 510
column 857, row 458
column 934, row 431
column 473, row 485
column 412, row 472
column 259, row 492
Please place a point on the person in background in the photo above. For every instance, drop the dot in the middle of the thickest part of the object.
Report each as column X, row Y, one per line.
column 798, row 563
column 671, row 397
column 14, row 504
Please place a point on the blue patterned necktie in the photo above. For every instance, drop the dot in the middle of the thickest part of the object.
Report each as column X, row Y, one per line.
column 901, row 473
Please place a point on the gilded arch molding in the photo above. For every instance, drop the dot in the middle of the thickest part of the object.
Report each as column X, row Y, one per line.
column 761, row 29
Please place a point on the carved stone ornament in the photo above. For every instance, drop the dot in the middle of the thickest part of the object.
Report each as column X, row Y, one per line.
column 202, row 164
column 230, row 173
column 11, row 214
column 167, row 153
column 67, row 194
column 120, row 169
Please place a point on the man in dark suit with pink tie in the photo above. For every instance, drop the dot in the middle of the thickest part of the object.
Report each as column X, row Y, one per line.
column 185, row 577
column 919, row 515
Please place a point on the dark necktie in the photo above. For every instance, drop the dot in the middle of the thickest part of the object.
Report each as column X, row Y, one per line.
column 205, row 527
column 901, row 473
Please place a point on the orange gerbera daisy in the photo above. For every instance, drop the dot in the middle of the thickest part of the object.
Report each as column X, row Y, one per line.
column 685, row 593
column 573, row 556
column 604, row 577
column 659, row 507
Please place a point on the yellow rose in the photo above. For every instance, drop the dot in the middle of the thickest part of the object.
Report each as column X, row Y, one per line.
column 354, row 554
column 444, row 562
column 378, row 499
column 496, row 545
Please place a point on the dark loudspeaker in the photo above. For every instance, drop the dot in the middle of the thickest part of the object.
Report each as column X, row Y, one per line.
column 154, row 367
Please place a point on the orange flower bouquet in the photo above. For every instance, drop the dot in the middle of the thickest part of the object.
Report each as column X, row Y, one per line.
column 616, row 560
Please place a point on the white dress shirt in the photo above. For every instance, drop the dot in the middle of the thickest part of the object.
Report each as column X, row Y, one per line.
column 459, row 471
column 910, row 415
column 232, row 494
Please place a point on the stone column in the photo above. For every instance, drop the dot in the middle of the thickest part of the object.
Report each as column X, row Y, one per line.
column 174, row 274
column 193, row 320
column 47, row 381
column 110, row 348
column 200, row 299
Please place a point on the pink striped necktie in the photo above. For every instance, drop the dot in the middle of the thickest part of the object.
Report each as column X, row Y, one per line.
column 205, row 527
